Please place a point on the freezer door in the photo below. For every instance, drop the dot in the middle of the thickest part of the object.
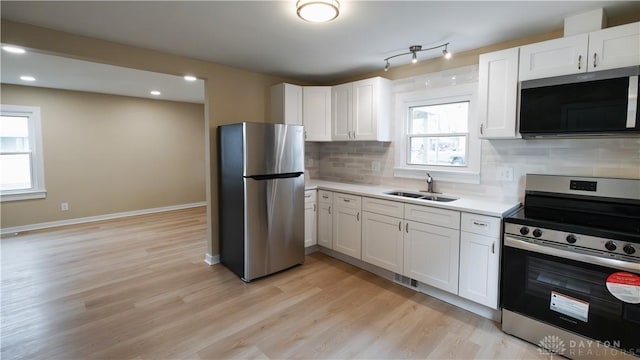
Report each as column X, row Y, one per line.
column 273, row 149
column 274, row 225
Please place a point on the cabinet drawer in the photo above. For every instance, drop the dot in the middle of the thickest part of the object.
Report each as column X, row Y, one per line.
column 309, row 196
column 350, row 201
column 481, row 224
column 383, row 207
column 432, row 215
column 325, row 196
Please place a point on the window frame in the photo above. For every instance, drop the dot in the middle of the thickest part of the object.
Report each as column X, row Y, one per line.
column 37, row 190
column 443, row 95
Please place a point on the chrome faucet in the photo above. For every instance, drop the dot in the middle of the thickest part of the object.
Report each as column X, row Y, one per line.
column 429, row 183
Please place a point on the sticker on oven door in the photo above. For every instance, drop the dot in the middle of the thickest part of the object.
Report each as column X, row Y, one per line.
column 624, row 286
column 569, row 306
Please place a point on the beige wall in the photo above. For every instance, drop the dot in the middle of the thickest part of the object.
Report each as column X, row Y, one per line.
column 105, row 154
column 231, row 95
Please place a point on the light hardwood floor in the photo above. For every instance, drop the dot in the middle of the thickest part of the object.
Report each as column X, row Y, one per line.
column 138, row 288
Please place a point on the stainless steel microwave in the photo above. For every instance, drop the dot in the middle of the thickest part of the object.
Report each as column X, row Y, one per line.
column 588, row 104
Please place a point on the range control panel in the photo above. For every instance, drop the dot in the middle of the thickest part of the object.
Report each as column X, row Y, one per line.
column 613, row 248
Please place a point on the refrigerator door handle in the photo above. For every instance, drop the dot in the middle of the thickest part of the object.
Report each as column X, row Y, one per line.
column 275, row 176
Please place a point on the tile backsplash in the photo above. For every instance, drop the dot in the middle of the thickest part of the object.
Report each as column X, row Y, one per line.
column 372, row 163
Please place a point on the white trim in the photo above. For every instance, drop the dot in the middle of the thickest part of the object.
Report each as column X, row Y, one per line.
column 469, row 174
column 23, row 195
column 211, row 259
column 18, row 229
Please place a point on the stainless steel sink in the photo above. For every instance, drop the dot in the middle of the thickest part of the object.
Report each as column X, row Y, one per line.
column 419, row 196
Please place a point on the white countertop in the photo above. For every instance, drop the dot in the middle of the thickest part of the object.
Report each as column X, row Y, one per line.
column 465, row 203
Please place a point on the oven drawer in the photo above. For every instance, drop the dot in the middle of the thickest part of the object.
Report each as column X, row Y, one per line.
column 481, row 224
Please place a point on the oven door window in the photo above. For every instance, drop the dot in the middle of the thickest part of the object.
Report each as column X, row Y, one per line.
column 569, row 294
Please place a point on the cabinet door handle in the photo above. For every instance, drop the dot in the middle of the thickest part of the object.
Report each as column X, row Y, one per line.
column 329, row 210
column 346, row 200
column 476, row 223
column 305, row 134
column 493, row 247
column 481, row 129
column 314, row 207
column 580, row 62
column 325, row 197
column 358, row 216
column 400, row 226
column 595, row 59
column 407, row 228
column 308, row 196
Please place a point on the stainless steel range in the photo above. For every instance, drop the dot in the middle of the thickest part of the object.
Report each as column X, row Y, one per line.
column 571, row 267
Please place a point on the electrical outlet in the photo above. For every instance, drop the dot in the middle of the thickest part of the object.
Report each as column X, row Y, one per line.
column 375, row 165
column 64, row 206
column 504, row 173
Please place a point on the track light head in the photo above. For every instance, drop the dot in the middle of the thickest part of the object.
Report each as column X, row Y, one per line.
column 414, row 57
column 387, row 66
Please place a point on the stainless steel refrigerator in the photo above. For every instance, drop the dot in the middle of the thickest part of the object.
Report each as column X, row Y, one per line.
column 261, row 198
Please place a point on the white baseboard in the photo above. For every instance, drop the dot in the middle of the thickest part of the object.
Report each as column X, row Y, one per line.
column 19, row 229
column 211, row 259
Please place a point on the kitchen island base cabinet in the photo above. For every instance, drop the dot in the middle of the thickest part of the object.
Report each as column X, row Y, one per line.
column 382, row 241
column 431, row 255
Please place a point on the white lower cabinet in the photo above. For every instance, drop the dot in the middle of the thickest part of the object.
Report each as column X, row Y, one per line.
column 347, row 229
column 431, row 255
column 479, row 268
column 325, row 219
column 310, row 218
column 480, row 259
column 382, row 241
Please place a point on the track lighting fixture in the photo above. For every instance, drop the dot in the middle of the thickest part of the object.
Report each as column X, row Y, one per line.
column 414, row 50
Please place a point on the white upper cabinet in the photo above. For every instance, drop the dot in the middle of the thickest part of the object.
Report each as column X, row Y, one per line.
column 341, row 111
column 286, row 104
column 598, row 50
column 498, row 94
column 316, row 112
column 562, row 56
column 361, row 110
column 614, row 47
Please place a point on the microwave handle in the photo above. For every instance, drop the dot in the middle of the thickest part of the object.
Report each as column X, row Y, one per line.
column 581, row 257
column 632, row 106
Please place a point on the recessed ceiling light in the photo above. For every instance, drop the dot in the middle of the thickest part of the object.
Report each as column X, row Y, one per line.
column 13, row 49
column 190, row 78
column 155, row 93
column 27, row 78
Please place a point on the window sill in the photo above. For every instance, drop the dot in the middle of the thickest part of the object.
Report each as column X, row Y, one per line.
column 23, row 195
column 460, row 176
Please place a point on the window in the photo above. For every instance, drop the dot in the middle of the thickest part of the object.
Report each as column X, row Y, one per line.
column 21, row 165
column 437, row 134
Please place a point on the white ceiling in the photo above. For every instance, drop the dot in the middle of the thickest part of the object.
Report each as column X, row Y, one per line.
column 267, row 36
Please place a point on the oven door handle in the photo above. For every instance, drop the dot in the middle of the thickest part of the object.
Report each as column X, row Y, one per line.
column 585, row 258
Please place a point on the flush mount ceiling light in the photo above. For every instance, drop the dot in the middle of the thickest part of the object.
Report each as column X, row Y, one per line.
column 414, row 50
column 318, row 11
